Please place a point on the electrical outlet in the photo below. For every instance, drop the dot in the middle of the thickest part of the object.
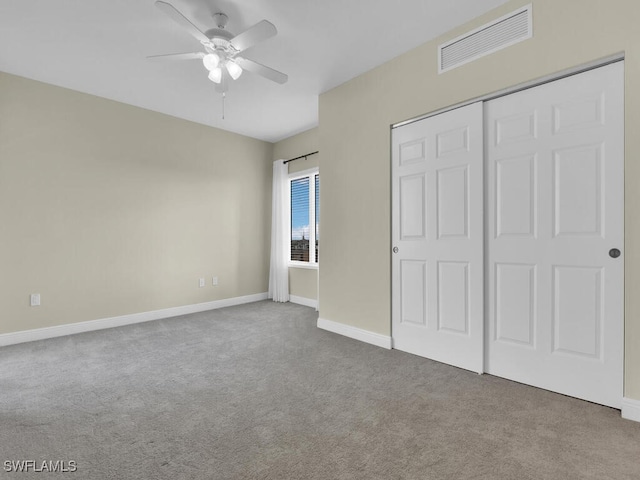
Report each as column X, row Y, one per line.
column 35, row 299
column 214, row 280
column 201, row 282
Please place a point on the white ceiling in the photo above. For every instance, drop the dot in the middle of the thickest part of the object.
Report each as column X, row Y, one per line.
column 100, row 47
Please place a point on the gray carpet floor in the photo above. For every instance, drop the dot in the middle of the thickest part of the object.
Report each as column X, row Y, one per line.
column 258, row 392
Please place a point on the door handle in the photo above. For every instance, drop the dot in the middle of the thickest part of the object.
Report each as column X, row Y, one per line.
column 395, row 249
column 614, row 253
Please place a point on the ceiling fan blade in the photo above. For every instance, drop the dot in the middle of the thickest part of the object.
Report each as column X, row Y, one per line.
column 266, row 72
column 254, row 35
column 181, row 20
column 178, row 56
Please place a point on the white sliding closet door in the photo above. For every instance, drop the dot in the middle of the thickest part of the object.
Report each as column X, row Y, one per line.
column 437, row 235
column 555, row 173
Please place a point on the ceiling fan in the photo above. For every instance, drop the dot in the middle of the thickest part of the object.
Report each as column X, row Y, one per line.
column 221, row 47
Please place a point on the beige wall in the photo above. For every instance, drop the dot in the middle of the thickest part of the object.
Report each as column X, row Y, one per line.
column 303, row 282
column 107, row 209
column 300, row 144
column 354, row 140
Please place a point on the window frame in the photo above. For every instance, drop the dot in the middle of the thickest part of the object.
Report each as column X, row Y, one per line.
column 310, row 174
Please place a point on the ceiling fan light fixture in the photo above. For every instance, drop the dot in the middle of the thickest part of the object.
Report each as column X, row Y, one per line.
column 215, row 75
column 234, row 69
column 211, row 61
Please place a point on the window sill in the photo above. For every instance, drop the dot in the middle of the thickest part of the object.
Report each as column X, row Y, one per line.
column 303, row 265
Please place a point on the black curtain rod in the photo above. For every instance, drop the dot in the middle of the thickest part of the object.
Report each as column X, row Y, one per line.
column 301, row 156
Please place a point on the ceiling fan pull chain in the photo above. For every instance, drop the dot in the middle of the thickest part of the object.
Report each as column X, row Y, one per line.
column 224, row 95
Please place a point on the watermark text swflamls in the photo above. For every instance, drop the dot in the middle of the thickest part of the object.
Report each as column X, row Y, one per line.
column 49, row 466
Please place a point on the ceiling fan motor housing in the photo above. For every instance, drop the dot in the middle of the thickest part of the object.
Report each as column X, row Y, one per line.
column 218, row 33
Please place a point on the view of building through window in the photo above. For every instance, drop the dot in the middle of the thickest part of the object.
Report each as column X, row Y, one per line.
column 305, row 204
column 317, row 219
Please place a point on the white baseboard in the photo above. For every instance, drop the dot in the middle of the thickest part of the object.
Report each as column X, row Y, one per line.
column 631, row 409
column 91, row 325
column 355, row 333
column 307, row 302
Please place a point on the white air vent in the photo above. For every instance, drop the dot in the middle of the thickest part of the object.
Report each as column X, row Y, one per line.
column 501, row 33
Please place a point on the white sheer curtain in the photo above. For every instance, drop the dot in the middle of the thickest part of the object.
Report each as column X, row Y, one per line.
column 279, row 269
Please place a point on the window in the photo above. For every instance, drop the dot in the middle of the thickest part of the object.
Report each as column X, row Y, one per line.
column 305, row 215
